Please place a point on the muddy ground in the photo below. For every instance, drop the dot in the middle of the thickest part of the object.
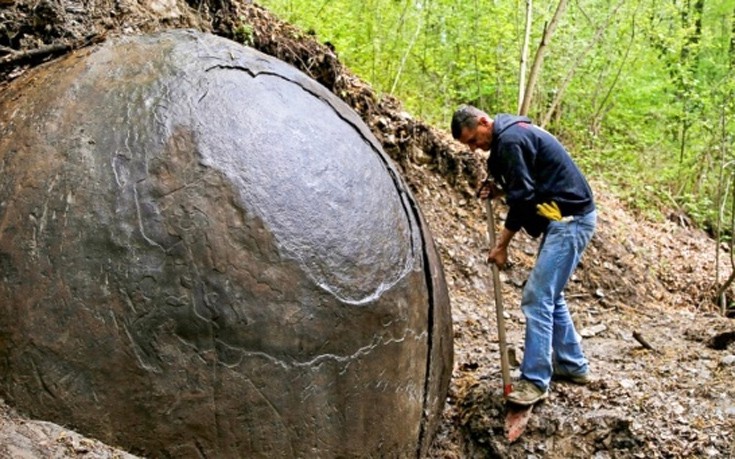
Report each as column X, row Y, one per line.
column 654, row 279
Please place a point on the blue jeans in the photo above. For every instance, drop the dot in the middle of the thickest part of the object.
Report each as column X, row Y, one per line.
column 550, row 335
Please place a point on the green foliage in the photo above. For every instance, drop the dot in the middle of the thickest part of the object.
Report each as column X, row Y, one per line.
column 649, row 104
column 243, row 33
column 430, row 54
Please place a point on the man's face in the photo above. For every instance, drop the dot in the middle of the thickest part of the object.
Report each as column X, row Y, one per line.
column 479, row 137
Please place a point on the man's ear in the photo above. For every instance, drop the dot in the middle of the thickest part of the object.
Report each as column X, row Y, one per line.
column 484, row 120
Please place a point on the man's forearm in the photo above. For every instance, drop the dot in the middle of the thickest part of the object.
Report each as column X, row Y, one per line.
column 505, row 237
column 499, row 253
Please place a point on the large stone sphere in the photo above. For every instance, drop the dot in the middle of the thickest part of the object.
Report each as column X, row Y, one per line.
column 204, row 253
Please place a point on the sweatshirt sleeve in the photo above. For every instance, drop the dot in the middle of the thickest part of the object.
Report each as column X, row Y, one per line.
column 520, row 186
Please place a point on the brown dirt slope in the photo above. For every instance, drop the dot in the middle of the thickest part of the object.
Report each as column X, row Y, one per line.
column 653, row 278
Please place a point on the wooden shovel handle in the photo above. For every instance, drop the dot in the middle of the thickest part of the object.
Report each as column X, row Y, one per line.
column 504, row 364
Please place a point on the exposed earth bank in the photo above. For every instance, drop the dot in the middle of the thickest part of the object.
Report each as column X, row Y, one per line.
column 651, row 279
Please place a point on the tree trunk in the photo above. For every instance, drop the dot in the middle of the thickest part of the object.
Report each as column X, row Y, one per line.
column 721, row 201
column 689, row 18
column 524, row 54
column 732, row 41
column 689, row 58
column 723, row 288
column 684, row 131
column 539, row 58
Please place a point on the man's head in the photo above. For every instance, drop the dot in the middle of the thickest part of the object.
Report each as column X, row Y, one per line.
column 472, row 127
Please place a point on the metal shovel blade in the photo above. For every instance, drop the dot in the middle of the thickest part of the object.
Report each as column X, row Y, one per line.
column 516, row 419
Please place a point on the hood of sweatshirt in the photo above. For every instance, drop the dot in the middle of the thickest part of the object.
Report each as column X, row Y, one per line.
column 504, row 121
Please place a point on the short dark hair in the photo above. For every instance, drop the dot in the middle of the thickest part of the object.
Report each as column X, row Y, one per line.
column 466, row 116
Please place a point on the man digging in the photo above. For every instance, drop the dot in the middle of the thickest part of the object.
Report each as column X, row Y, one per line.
column 548, row 196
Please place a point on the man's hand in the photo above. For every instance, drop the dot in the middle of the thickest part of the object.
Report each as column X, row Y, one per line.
column 489, row 190
column 498, row 255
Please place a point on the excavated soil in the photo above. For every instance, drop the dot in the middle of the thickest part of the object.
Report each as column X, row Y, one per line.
column 663, row 360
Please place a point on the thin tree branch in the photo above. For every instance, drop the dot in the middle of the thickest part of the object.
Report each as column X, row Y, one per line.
column 524, row 54
column 572, row 70
column 405, row 55
column 638, row 337
column 39, row 54
column 597, row 118
column 539, row 58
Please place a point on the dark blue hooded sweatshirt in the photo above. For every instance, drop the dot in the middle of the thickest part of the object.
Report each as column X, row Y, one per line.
column 532, row 167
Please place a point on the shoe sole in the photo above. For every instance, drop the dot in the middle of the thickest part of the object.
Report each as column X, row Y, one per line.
column 528, row 402
column 579, row 380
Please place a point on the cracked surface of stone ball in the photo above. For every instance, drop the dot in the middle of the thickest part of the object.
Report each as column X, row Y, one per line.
column 204, row 253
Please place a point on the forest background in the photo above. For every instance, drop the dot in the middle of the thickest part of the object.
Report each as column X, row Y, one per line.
column 640, row 91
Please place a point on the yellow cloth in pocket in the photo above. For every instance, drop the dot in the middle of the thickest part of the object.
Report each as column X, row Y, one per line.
column 549, row 210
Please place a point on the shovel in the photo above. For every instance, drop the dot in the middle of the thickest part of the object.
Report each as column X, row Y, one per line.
column 516, row 417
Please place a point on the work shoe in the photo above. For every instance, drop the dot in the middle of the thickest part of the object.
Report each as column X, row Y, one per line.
column 578, row 378
column 526, row 393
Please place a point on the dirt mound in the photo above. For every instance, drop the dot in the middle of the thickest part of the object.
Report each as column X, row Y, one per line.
column 651, row 279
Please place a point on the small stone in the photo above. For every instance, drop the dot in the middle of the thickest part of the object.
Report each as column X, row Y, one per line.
column 593, row 331
column 513, row 358
column 519, row 283
column 421, row 157
column 165, row 8
column 677, row 409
